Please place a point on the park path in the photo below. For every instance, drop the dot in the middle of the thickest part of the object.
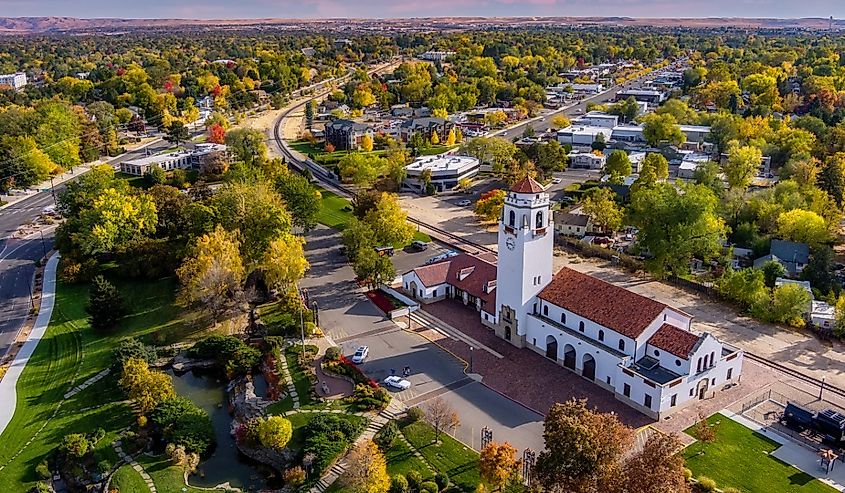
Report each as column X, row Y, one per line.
column 8, row 385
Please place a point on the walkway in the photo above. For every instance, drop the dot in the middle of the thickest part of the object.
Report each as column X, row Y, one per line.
column 134, row 464
column 8, row 386
column 282, row 364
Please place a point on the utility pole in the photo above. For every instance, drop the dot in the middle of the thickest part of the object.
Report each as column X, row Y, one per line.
column 43, row 247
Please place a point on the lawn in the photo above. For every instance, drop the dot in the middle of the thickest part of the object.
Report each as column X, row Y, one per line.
column 335, row 212
column 739, row 458
column 167, row 478
column 301, row 381
column 128, row 480
column 400, row 460
column 449, row 457
column 436, row 149
column 69, row 354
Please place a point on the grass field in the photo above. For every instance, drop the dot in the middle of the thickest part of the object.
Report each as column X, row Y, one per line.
column 337, row 212
column 167, row 478
column 400, row 460
column 128, row 480
column 69, row 354
column 739, row 458
column 450, row 456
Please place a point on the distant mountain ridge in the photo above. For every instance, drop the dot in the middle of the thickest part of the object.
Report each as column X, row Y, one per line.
column 46, row 25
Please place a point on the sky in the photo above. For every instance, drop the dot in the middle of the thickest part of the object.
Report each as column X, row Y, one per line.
column 247, row 9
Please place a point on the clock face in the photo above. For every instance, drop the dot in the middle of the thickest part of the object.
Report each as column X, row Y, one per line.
column 510, row 244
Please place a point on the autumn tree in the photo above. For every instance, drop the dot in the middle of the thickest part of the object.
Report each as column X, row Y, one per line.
column 367, row 469
column 441, row 416
column 497, row 464
column 583, row 449
column 144, row 386
column 213, row 273
column 389, row 221
column 361, row 169
column 802, row 226
column 742, row 166
column 489, row 206
column 367, row 143
column 450, row 137
column 560, row 121
column 216, row 134
column 284, row 261
column 789, row 304
column 113, row 219
column 275, row 432
column 600, row 205
column 214, row 164
column 658, row 467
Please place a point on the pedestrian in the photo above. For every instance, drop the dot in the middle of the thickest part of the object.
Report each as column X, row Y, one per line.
column 392, row 372
column 325, row 388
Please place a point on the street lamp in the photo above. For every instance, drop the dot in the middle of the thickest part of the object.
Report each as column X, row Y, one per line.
column 470, row 358
column 43, row 247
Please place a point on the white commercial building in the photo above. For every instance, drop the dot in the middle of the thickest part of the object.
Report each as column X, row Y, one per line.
column 597, row 119
column 436, row 56
column 15, row 81
column 634, row 133
column 582, row 135
column 183, row 159
column 586, row 160
column 643, row 351
column 446, row 171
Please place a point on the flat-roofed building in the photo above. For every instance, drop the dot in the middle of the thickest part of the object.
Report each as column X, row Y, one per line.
column 183, row 159
column 446, row 171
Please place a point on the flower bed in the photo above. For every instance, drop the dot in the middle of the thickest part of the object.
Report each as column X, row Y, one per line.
column 343, row 367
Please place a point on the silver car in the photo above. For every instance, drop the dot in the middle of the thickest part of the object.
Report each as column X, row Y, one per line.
column 360, row 354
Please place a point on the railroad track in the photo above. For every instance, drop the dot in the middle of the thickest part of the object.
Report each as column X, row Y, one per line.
column 455, row 241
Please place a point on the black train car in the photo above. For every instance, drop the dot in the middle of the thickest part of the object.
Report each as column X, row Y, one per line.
column 831, row 424
column 797, row 418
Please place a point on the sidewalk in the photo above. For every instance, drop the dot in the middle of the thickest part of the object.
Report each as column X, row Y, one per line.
column 8, row 386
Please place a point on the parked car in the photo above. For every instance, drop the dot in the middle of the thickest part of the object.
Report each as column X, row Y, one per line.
column 360, row 354
column 556, row 181
column 464, row 203
column 397, row 382
column 419, row 245
column 451, row 253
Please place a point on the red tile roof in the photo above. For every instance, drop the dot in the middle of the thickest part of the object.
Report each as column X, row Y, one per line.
column 674, row 340
column 466, row 272
column 527, row 185
column 606, row 304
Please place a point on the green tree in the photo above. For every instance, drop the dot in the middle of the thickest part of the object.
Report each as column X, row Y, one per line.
column 627, row 109
column 183, row 423
column 389, row 222
column 772, row 270
column 820, row 271
column 257, row 212
column 742, row 166
column 600, row 205
column 177, row 133
column 748, row 288
column 155, row 175
column 707, row 174
column 105, row 304
column 302, row 199
column 76, row 445
column 361, row 169
column 247, row 145
column 618, row 166
column 551, row 157
column 789, row 304
column 373, row 268
column 22, row 163
column 658, row 164
column 659, row 128
column 309, row 114
column 677, row 225
column 832, row 177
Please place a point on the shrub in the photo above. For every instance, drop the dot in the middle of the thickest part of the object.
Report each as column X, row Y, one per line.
column 368, row 398
column 131, row 348
column 328, row 435
column 731, row 490
column 294, row 476
column 42, row 470
column 104, row 466
column 706, row 485
column 442, row 480
column 415, row 414
column 386, row 436
column 414, row 480
column 687, row 474
column 41, row 487
column 332, row 353
column 181, row 422
column 105, row 304
column 429, row 487
column 398, row 484
column 228, row 351
column 75, row 445
column 275, row 432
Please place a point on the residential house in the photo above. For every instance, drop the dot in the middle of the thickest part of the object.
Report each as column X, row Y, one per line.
column 573, row 224
column 425, row 126
column 346, row 135
column 793, row 256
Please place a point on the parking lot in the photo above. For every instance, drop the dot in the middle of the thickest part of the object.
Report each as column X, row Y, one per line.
column 351, row 320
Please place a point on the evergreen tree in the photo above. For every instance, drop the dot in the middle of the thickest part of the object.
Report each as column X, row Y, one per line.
column 105, row 304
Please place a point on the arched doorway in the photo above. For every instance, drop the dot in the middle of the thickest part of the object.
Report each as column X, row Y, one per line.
column 551, row 348
column 701, row 388
column 588, row 367
column 507, row 332
column 414, row 289
column 569, row 357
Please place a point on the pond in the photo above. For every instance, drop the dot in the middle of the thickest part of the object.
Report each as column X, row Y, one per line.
column 226, row 463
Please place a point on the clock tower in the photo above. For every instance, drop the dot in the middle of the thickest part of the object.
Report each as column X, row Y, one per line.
column 526, row 243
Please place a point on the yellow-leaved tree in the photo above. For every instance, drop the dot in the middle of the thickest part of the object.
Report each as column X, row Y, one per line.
column 284, row 261
column 435, row 139
column 212, row 275
column 367, row 471
column 497, row 463
column 144, row 386
column 450, row 137
column 367, row 143
column 275, row 432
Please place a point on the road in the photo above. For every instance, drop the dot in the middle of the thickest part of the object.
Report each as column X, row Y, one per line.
column 18, row 255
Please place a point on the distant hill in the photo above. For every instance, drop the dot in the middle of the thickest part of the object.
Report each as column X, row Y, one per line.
column 45, row 25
